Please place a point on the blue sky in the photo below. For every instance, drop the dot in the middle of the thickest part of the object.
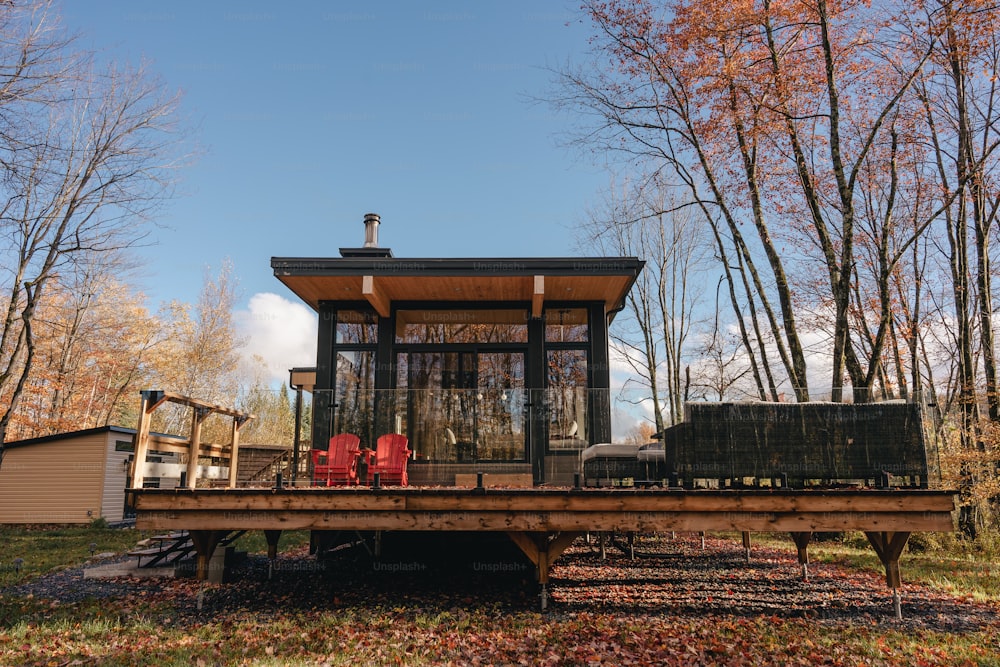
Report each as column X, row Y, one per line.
column 310, row 116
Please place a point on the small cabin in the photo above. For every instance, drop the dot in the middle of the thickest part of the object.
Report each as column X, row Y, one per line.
column 492, row 365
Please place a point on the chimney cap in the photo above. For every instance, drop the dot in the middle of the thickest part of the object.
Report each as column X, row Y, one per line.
column 370, row 248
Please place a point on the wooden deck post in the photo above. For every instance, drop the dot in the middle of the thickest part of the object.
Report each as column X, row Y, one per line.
column 205, row 542
column 889, row 547
column 272, row 537
column 746, row 544
column 543, row 549
column 802, row 546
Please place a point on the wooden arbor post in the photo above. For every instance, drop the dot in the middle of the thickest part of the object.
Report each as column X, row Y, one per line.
column 194, row 444
column 152, row 399
column 234, row 447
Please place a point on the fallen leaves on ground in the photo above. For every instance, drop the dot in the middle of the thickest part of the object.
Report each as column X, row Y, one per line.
column 674, row 604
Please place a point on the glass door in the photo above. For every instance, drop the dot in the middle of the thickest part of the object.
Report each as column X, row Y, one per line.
column 463, row 407
column 501, row 416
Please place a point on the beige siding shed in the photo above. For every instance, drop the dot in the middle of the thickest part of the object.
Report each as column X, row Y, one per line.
column 54, row 480
column 70, row 477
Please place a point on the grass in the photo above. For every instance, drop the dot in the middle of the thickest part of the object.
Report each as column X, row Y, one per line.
column 379, row 635
column 44, row 550
column 957, row 571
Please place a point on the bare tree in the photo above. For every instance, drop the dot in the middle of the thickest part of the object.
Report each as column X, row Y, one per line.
column 645, row 221
column 198, row 354
column 723, row 362
column 86, row 155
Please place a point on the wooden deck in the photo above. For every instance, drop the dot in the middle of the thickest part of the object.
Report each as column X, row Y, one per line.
column 543, row 522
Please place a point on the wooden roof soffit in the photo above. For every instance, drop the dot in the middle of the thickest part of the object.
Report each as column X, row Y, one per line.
column 375, row 295
column 538, row 296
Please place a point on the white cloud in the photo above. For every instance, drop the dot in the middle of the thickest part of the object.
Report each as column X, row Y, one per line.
column 279, row 331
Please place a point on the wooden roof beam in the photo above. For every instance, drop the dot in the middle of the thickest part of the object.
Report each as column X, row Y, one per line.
column 156, row 398
column 538, row 296
column 375, row 295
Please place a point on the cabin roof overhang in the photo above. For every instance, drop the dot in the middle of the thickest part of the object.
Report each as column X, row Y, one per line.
column 382, row 281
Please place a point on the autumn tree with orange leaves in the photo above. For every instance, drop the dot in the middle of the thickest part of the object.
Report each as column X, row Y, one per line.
column 843, row 156
column 86, row 155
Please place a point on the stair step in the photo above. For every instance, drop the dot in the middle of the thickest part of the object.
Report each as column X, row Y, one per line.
column 145, row 552
column 168, row 538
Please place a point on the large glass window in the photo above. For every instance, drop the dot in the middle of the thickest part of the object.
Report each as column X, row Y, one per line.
column 356, row 327
column 566, row 325
column 355, row 395
column 462, row 326
column 500, row 406
column 463, row 407
column 567, row 399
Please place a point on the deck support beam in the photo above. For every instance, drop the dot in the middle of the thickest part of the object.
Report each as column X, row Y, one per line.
column 801, row 540
column 889, row 547
column 272, row 537
column 205, row 542
column 746, row 544
column 543, row 549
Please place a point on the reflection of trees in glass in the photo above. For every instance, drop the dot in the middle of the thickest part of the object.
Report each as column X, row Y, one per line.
column 565, row 325
column 356, row 327
column 355, row 395
column 501, row 406
column 463, row 406
column 567, row 398
column 434, row 405
column 461, row 326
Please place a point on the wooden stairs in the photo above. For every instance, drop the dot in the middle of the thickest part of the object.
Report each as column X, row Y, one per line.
column 172, row 548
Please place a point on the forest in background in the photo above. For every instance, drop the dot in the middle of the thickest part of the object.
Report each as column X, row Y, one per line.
column 89, row 154
column 813, row 184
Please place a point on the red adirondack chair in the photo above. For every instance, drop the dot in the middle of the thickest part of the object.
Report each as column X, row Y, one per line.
column 337, row 466
column 391, row 454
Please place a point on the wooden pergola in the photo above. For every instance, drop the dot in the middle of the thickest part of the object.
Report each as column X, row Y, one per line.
column 543, row 522
column 193, row 446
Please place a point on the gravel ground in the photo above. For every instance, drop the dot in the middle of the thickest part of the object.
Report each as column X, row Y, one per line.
column 672, row 577
column 69, row 586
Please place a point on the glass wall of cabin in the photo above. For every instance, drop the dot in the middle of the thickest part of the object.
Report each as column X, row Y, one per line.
column 482, row 384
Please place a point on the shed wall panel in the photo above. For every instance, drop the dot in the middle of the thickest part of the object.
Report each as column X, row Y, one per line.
column 53, row 482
